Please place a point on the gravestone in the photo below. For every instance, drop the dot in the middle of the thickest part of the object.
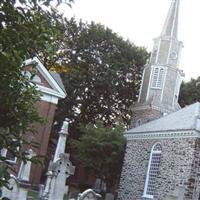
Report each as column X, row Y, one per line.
column 15, row 192
column 89, row 194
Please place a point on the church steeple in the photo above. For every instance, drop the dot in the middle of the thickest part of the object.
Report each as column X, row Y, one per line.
column 166, row 50
column 161, row 77
column 170, row 28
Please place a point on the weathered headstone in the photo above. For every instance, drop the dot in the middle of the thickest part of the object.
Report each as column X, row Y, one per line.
column 16, row 191
column 89, row 194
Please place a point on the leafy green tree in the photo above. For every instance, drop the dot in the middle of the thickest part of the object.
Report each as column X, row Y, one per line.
column 102, row 73
column 190, row 92
column 101, row 150
column 26, row 28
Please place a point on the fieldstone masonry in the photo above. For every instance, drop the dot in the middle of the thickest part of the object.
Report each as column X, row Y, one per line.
column 178, row 167
column 142, row 116
column 153, row 121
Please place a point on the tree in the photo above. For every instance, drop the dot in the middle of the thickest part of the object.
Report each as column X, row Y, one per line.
column 26, row 28
column 190, row 92
column 101, row 150
column 102, row 73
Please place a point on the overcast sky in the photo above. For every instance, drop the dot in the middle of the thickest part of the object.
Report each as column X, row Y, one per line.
column 141, row 20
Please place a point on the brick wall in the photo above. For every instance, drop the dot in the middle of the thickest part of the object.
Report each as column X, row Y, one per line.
column 47, row 110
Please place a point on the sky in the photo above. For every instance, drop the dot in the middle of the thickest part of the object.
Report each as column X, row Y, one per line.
column 141, row 21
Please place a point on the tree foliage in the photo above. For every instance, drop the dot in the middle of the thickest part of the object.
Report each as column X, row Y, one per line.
column 101, row 149
column 26, row 28
column 190, row 92
column 102, row 73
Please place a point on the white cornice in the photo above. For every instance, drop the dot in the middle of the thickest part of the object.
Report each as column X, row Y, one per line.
column 56, row 89
column 50, row 91
column 49, row 98
column 163, row 135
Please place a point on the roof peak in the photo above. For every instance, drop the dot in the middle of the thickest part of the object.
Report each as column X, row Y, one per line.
column 170, row 27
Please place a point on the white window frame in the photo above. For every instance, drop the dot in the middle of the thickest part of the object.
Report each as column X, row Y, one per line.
column 158, row 75
column 145, row 195
column 4, row 154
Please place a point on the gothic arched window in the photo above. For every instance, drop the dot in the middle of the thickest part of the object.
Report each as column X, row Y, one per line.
column 152, row 172
column 157, row 77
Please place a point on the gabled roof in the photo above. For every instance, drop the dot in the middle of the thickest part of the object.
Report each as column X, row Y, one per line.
column 55, row 87
column 58, row 79
column 187, row 118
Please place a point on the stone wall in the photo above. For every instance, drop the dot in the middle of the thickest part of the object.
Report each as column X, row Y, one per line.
column 178, row 165
column 145, row 115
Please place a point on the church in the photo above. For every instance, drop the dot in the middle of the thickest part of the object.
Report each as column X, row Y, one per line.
column 162, row 158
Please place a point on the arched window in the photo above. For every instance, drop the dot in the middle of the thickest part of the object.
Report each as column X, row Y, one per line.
column 152, row 172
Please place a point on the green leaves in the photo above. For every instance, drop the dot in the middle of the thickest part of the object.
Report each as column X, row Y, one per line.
column 27, row 27
column 190, row 92
column 101, row 149
column 103, row 73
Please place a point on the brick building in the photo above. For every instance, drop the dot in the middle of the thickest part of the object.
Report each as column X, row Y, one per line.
column 162, row 153
column 52, row 89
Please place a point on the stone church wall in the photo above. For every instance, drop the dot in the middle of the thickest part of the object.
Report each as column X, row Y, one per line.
column 145, row 115
column 177, row 159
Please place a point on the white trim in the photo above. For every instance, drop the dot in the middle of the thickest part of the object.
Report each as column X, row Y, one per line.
column 147, row 196
column 59, row 92
column 141, row 86
column 149, row 85
column 159, row 43
column 169, row 52
column 175, row 15
column 180, row 47
column 49, row 91
column 4, row 154
column 179, row 80
column 25, row 167
column 148, row 171
column 163, row 84
column 162, row 135
column 146, row 180
column 175, row 89
column 49, row 98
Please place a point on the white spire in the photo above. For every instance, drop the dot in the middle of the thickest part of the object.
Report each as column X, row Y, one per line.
column 170, row 28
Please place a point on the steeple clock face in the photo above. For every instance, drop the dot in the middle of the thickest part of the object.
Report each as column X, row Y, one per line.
column 173, row 55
